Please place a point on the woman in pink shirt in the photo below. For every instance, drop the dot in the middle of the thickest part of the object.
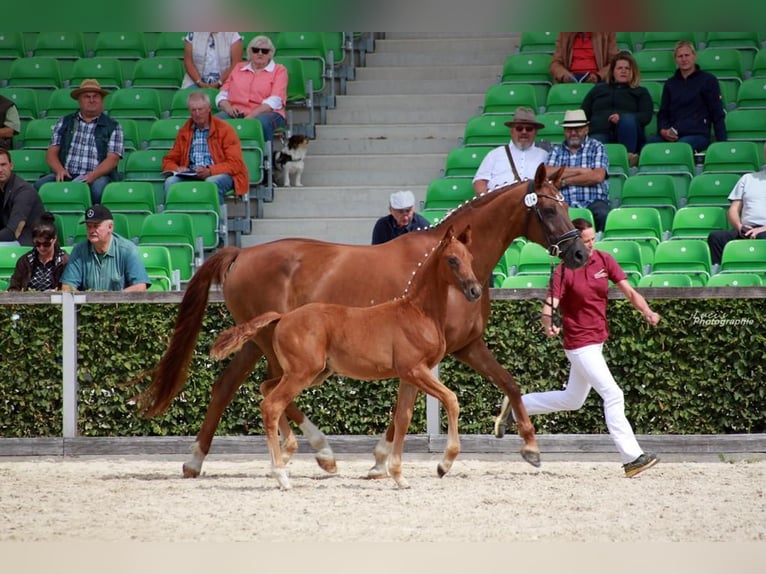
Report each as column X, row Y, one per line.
column 582, row 296
column 256, row 89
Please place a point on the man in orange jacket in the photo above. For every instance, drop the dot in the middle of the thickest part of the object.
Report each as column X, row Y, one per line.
column 206, row 148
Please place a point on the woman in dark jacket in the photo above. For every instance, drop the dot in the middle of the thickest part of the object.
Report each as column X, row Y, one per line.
column 41, row 268
column 620, row 109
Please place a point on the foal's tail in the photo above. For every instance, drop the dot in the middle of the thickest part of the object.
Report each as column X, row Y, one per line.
column 231, row 340
column 169, row 376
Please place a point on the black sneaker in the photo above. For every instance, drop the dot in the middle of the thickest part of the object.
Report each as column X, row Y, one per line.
column 640, row 464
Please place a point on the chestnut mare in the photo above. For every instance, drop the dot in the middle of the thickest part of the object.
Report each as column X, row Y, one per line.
column 285, row 274
column 403, row 338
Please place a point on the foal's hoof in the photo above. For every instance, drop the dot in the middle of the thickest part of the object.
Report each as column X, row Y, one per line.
column 377, row 472
column 440, row 470
column 531, row 456
column 190, row 471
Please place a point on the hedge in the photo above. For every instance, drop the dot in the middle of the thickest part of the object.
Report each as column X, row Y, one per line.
column 700, row 371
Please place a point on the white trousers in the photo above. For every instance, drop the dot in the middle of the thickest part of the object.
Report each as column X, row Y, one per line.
column 589, row 369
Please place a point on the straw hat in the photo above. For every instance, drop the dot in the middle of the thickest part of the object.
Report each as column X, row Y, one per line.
column 88, row 85
column 574, row 119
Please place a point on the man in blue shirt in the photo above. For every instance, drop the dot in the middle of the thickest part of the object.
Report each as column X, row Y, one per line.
column 106, row 261
column 583, row 183
column 400, row 220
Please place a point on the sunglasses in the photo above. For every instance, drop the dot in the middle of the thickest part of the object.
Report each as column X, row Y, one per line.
column 260, row 50
column 45, row 244
column 524, row 128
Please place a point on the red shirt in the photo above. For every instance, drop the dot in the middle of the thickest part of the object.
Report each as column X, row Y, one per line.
column 583, row 299
column 583, row 57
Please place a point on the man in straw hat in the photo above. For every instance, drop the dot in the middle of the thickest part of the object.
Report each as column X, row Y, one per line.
column 583, row 183
column 515, row 161
column 86, row 145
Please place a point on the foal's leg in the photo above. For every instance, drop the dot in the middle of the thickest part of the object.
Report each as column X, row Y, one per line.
column 223, row 392
column 425, row 380
column 478, row 356
column 404, row 400
column 400, row 423
column 289, row 442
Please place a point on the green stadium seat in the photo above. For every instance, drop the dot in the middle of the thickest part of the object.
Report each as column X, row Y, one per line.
column 688, row 256
column 12, row 45
column 711, row 189
column 176, row 232
column 170, row 45
column 759, row 64
column 38, row 133
column 448, row 192
column 159, row 267
column 652, row 190
column 665, row 40
column 199, row 199
column 162, row 133
column 133, row 199
column 749, row 125
column 69, row 200
column 642, row 224
column 744, row 256
column 738, row 157
column 40, row 73
column 530, row 68
column 487, row 130
column 654, row 87
column 25, row 100
column 538, row 42
column 505, row 98
column 146, row 165
column 735, row 280
column 310, row 48
column 29, row 164
column 752, row 94
column 581, row 213
column 9, row 256
column 666, row 280
column 563, row 97
column 250, row 133
column 746, row 42
column 535, row 259
column 59, row 45
column 655, row 64
column 619, row 165
column 60, row 103
column 670, row 158
column 526, row 282
column 107, row 71
column 628, row 255
column 697, row 221
column 464, row 161
column 434, row 215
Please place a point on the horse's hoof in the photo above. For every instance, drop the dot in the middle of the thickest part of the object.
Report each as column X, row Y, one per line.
column 401, row 483
column 281, row 475
column 440, row 470
column 190, row 471
column 531, row 456
column 328, row 465
column 377, row 472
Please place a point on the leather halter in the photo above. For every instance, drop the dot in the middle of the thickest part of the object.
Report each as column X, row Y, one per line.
column 530, row 201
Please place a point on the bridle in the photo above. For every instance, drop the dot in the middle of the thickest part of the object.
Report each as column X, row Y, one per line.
column 531, row 202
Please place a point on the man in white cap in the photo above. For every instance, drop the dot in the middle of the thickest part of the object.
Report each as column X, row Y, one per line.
column 400, row 220
column 86, row 145
column 583, row 183
column 516, row 161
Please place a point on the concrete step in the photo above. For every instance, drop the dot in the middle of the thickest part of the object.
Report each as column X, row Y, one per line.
column 383, row 145
column 350, row 201
column 358, row 162
column 423, row 73
column 513, row 36
column 398, row 109
column 333, row 132
column 502, row 45
column 352, row 230
column 400, row 102
column 453, row 58
column 392, row 175
column 425, row 87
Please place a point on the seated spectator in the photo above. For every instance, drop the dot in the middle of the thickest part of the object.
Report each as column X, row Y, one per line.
column 747, row 213
column 582, row 56
column 104, row 261
column 41, row 268
column 516, row 161
column 257, row 89
column 619, row 109
column 10, row 123
column 401, row 218
column 86, row 145
column 583, row 183
column 209, row 58
column 206, row 148
column 20, row 205
column 691, row 103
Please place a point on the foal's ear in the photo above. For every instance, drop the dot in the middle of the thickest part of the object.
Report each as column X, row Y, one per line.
column 466, row 236
column 449, row 233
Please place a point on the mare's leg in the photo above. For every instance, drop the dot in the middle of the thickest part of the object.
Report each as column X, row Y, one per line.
column 223, row 392
column 425, row 380
column 477, row 356
column 400, row 423
column 404, row 400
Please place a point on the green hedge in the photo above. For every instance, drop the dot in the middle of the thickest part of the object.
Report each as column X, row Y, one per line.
column 701, row 371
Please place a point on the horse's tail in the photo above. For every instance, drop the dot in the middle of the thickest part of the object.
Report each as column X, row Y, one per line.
column 169, row 376
column 231, row 340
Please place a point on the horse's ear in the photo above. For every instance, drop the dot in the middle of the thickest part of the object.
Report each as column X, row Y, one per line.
column 466, row 235
column 540, row 175
column 557, row 176
column 449, row 233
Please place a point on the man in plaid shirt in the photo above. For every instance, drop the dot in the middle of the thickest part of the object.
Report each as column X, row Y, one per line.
column 584, row 181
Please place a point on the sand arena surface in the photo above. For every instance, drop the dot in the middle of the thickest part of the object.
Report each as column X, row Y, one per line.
column 482, row 499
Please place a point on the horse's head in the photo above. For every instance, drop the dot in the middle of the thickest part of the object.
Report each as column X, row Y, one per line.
column 548, row 220
column 455, row 262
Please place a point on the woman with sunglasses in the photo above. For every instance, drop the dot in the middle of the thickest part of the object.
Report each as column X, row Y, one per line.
column 42, row 267
column 256, row 89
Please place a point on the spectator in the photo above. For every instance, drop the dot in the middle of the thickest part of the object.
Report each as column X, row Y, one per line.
column 257, row 89
column 209, row 58
column 691, row 102
column 10, row 123
column 582, row 56
column 747, row 213
column 619, row 109
column 513, row 162
column 582, row 295
column 20, row 205
column 41, row 268
column 105, row 261
column 86, row 145
column 400, row 220
column 206, row 148
column 583, row 183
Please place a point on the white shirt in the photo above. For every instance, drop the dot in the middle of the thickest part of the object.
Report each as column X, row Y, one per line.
column 751, row 190
column 496, row 169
